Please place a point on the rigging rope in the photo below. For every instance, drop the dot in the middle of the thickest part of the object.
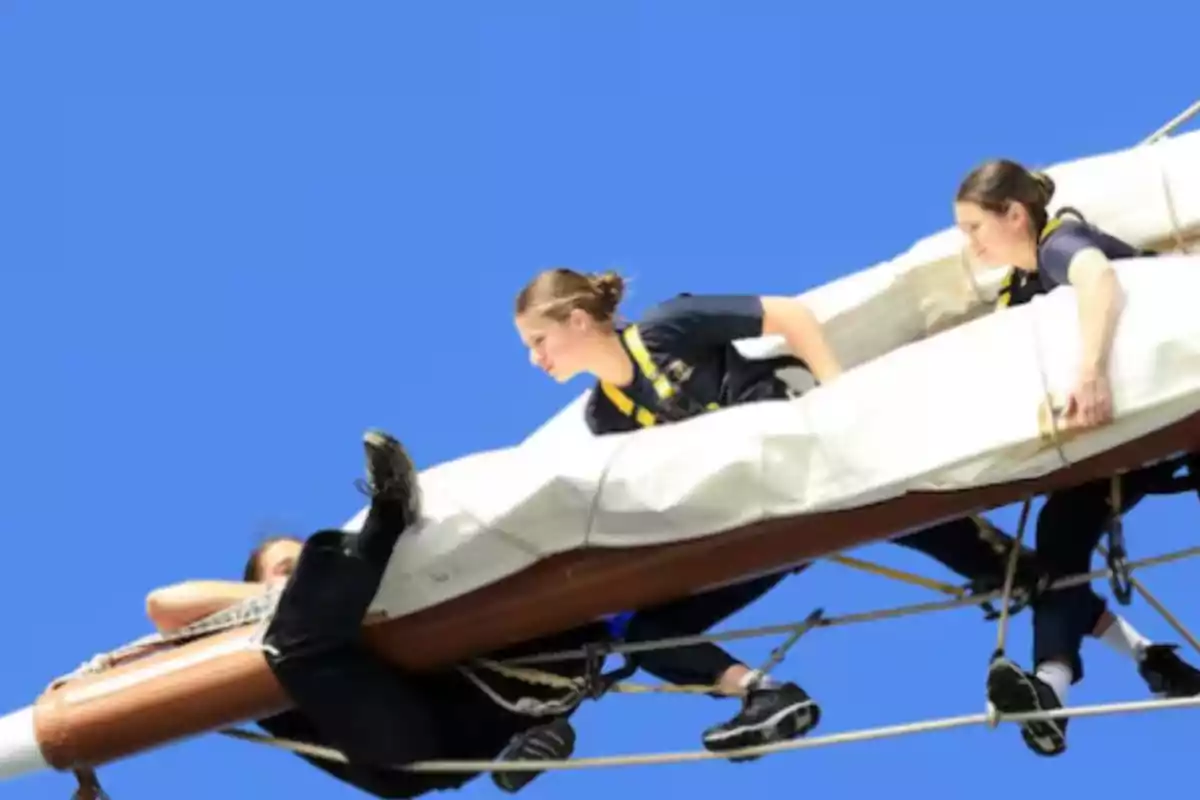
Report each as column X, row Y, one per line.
column 254, row 610
column 897, row 574
column 1157, row 605
column 1174, row 124
column 990, row 716
column 867, row 734
column 854, row 618
column 578, row 688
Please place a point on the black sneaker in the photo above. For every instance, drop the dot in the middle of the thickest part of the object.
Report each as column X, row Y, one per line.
column 554, row 741
column 1014, row 691
column 391, row 474
column 1167, row 674
column 771, row 714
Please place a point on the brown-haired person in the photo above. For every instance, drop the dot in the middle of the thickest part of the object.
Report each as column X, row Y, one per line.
column 346, row 697
column 1002, row 208
column 568, row 321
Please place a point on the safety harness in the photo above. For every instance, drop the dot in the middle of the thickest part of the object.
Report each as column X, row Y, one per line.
column 1017, row 278
column 670, row 394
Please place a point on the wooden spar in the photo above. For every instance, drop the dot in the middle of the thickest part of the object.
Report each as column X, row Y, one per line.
column 157, row 699
column 224, row 679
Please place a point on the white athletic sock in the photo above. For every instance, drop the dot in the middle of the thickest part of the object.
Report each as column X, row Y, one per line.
column 1058, row 676
column 1126, row 639
column 757, row 680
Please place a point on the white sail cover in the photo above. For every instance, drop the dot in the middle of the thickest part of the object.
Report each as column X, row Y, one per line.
column 919, row 411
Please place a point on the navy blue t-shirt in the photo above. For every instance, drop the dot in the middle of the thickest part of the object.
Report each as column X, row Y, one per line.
column 1055, row 252
column 690, row 338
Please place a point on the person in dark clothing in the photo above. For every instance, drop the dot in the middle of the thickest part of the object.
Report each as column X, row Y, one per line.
column 1002, row 208
column 347, row 698
column 565, row 319
column 679, row 361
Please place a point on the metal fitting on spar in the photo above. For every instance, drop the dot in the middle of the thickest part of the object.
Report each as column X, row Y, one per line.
column 20, row 753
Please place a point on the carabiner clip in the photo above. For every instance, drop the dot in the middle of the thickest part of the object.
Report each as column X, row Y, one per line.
column 1118, row 563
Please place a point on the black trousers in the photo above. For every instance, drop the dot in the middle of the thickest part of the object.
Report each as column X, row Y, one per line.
column 699, row 664
column 1069, row 526
column 956, row 544
column 351, row 700
column 379, row 716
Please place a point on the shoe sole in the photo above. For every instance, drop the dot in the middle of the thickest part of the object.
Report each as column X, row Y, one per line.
column 793, row 721
column 1012, row 692
column 1163, row 688
column 406, row 474
column 536, row 749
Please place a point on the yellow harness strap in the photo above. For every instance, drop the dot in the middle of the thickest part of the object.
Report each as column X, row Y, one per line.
column 661, row 383
column 626, row 406
column 1006, row 289
column 662, row 386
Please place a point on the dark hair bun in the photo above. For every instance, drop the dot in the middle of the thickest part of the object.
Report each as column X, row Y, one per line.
column 609, row 288
column 1046, row 183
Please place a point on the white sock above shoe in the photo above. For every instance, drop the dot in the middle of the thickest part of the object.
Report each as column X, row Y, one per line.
column 757, row 680
column 1057, row 676
column 1126, row 639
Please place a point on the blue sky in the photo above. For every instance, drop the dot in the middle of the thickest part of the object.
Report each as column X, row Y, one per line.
column 237, row 234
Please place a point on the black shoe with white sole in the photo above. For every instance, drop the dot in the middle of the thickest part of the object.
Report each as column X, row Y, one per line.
column 1167, row 674
column 554, row 741
column 391, row 475
column 1014, row 691
column 771, row 714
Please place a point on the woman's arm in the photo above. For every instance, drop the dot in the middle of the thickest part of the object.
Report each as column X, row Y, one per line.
column 173, row 607
column 1100, row 303
column 696, row 321
column 791, row 318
